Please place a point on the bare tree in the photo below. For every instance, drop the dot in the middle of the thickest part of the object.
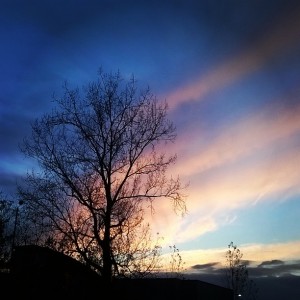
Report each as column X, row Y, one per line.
column 6, row 229
column 101, row 164
column 10, row 234
column 176, row 263
column 237, row 275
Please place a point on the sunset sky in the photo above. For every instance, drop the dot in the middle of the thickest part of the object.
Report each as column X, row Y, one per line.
column 230, row 72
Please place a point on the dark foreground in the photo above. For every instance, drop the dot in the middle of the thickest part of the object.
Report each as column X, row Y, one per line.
column 41, row 273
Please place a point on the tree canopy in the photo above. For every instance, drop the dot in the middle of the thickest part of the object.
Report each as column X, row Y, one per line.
column 102, row 157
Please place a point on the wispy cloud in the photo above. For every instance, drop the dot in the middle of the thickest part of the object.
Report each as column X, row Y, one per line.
column 249, row 161
column 269, row 46
column 281, row 256
column 255, row 159
column 259, row 131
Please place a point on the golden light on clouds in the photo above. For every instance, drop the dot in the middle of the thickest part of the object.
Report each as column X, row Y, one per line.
column 255, row 253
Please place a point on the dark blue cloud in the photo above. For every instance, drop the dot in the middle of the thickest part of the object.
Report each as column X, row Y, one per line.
column 205, row 267
column 274, row 279
column 274, row 262
column 164, row 43
column 275, row 268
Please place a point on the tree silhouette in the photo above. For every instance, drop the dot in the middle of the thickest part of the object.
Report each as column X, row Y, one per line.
column 6, row 229
column 237, row 275
column 101, row 165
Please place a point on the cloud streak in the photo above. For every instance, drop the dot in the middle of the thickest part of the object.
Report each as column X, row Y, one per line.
column 254, row 160
column 280, row 256
column 260, row 130
column 268, row 47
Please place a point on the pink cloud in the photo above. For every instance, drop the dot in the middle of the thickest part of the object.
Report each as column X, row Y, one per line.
column 258, row 132
column 253, row 160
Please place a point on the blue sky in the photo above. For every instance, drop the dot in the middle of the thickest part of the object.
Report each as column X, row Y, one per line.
column 230, row 71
